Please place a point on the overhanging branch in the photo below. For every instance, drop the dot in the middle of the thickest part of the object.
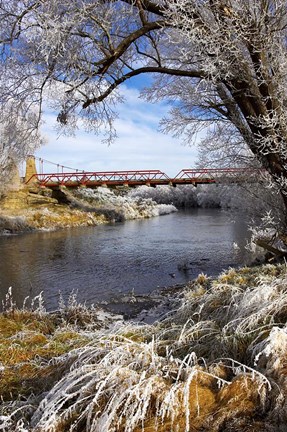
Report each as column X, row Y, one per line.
column 147, row 69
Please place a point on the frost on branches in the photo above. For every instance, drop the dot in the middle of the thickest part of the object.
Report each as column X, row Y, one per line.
column 222, row 64
column 18, row 137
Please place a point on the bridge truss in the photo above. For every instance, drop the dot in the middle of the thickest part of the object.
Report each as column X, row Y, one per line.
column 144, row 177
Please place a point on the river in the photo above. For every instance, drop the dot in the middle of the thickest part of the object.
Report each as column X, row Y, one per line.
column 103, row 262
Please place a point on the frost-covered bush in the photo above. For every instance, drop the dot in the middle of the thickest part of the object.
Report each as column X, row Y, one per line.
column 227, row 196
column 252, row 198
column 209, row 196
column 180, row 196
column 126, row 207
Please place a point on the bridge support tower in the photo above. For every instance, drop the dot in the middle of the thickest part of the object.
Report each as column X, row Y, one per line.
column 31, row 170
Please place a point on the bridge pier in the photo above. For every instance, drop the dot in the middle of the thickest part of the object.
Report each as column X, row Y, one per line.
column 31, row 171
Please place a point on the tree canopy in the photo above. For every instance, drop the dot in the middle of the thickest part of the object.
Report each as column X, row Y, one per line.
column 221, row 62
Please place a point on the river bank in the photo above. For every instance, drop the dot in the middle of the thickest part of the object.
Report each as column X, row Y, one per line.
column 31, row 209
column 217, row 361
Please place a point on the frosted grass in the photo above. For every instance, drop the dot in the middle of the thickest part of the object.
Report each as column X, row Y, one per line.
column 217, row 361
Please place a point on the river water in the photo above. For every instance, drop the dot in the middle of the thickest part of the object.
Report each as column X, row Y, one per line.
column 104, row 262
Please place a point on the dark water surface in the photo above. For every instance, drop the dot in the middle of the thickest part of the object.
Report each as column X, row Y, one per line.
column 105, row 261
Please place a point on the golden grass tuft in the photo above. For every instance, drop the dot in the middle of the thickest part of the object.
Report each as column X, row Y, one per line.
column 210, row 407
column 25, row 353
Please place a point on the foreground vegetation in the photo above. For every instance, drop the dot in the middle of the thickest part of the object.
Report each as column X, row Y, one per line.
column 216, row 363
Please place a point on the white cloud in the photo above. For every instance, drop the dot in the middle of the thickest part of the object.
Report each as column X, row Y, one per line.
column 139, row 144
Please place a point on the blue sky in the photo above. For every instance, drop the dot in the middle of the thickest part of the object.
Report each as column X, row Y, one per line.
column 139, row 144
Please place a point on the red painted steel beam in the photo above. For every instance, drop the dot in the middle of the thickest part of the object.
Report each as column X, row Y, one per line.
column 139, row 177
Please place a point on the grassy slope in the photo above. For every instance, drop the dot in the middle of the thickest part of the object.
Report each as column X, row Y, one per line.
column 24, row 211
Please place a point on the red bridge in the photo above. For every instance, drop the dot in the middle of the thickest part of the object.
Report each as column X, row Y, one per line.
column 143, row 177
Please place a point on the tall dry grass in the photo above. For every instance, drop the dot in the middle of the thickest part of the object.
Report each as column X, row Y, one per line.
column 217, row 363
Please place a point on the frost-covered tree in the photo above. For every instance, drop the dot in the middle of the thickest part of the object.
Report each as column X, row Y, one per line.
column 223, row 63
column 19, row 136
